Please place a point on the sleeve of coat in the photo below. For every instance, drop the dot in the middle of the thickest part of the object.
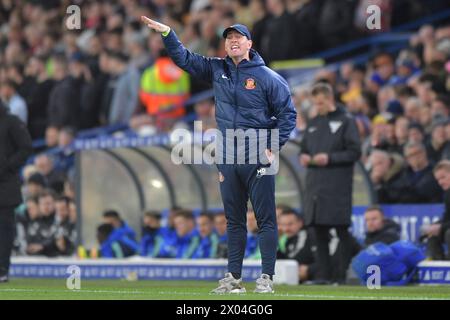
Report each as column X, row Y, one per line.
column 352, row 146
column 22, row 142
column 195, row 64
column 283, row 108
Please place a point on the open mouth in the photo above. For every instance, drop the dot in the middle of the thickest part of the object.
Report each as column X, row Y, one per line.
column 234, row 48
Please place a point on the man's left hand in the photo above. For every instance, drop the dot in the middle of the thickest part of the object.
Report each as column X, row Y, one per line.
column 270, row 156
column 321, row 159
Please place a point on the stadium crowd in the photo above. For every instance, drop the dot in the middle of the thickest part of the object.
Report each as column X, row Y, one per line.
column 113, row 71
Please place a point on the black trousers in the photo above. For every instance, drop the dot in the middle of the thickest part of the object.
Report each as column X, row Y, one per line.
column 332, row 268
column 435, row 249
column 7, row 233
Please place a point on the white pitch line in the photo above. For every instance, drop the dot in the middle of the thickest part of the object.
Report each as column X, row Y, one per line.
column 286, row 295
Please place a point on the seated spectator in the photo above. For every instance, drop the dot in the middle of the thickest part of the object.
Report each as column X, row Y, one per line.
column 185, row 243
column 209, row 240
column 153, row 234
column 416, row 133
column 419, row 184
column 35, row 185
column 252, row 247
column 65, row 157
column 55, row 178
column 40, row 241
column 385, row 172
column 27, row 225
column 378, row 228
column 66, row 233
column 204, row 111
column 295, row 243
column 51, row 137
column 13, row 102
column 220, row 226
column 438, row 142
column 122, row 231
column 110, row 246
column 439, row 233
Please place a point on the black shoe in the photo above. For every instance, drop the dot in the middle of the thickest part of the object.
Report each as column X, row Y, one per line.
column 4, row 279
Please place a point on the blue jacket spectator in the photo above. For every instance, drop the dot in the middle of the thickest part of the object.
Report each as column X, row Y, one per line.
column 121, row 230
column 187, row 239
column 209, row 240
column 112, row 246
column 153, row 235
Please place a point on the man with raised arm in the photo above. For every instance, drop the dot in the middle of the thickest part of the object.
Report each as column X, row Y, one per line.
column 248, row 95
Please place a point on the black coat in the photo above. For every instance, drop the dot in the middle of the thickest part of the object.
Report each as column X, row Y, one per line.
column 390, row 233
column 328, row 198
column 15, row 147
column 64, row 103
column 410, row 187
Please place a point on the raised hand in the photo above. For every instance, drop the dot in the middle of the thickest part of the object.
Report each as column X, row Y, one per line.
column 154, row 25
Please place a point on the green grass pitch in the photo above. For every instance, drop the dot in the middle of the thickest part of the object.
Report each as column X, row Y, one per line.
column 199, row 290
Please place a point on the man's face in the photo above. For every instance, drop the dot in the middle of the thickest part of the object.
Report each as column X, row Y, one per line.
column 204, row 226
column 151, row 222
column 416, row 158
column 46, row 205
column 322, row 103
column 290, row 224
column 237, row 45
column 374, row 220
column 182, row 226
column 220, row 224
column 443, row 178
column 62, row 209
column 380, row 165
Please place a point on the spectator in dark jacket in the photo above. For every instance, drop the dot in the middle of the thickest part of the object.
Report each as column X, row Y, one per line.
column 385, row 171
column 15, row 147
column 335, row 22
column 38, row 94
column 296, row 243
column 438, row 142
column 41, row 240
column 64, row 102
column 305, row 23
column 277, row 42
column 378, row 228
column 220, row 226
column 419, row 184
column 439, row 233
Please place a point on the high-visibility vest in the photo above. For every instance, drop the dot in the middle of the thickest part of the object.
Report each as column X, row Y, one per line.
column 164, row 89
